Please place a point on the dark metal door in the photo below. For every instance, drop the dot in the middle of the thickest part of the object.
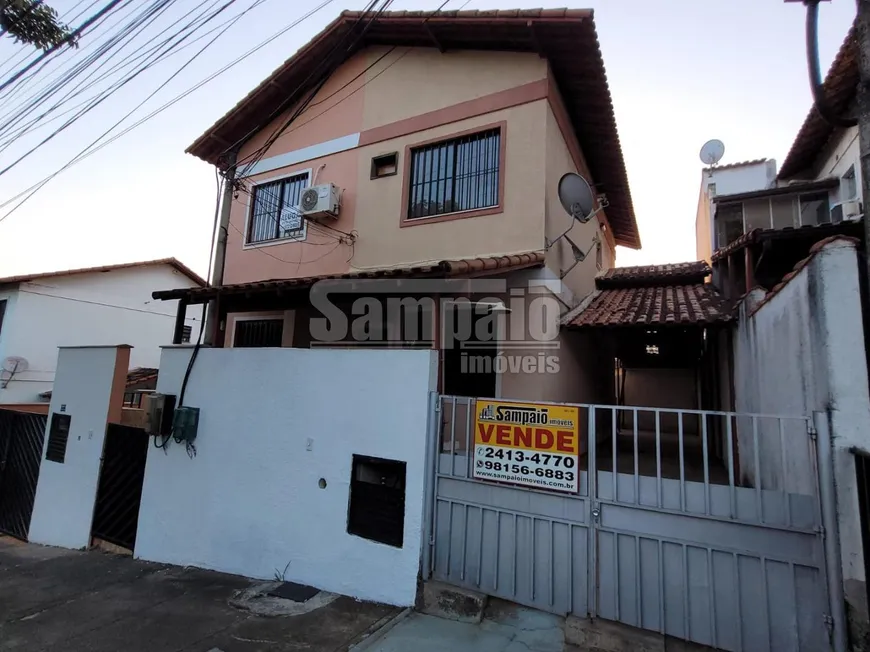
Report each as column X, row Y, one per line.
column 116, row 513
column 21, row 438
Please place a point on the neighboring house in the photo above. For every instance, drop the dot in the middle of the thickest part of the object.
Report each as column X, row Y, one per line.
column 754, row 223
column 437, row 144
column 91, row 306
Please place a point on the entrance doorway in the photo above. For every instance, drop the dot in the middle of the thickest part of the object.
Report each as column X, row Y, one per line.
column 470, row 334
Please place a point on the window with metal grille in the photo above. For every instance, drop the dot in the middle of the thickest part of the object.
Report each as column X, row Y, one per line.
column 258, row 332
column 186, row 332
column 377, row 500
column 455, row 175
column 275, row 214
column 58, row 434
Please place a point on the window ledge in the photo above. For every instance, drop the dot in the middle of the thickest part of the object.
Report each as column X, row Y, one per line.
column 447, row 217
column 271, row 243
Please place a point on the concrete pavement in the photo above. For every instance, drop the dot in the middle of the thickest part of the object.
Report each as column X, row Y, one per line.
column 505, row 627
column 56, row 599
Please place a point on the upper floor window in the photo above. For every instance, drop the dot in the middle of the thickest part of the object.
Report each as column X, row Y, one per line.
column 258, row 332
column 849, row 185
column 461, row 174
column 2, row 312
column 275, row 213
column 814, row 209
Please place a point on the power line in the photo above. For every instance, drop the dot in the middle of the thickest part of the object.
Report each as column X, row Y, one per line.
column 91, row 149
column 100, row 303
column 70, row 39
column 114, row 89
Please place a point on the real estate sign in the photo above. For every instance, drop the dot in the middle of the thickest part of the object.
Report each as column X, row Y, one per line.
column 528, row 444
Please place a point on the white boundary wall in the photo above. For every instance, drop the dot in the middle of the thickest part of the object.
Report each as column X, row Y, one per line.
column 801, row 351
column 272, row 423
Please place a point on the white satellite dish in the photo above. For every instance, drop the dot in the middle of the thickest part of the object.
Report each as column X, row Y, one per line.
column 14, row 364
column 712, row 152
column 577, row 197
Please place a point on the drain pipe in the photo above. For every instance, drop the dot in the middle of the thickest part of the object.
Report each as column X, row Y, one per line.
column 828, row 499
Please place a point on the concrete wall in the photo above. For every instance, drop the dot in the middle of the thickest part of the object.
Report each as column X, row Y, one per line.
column 88, row 310
column 89, row 386
column 841, row 153
column 800, row 351
column 272, row 423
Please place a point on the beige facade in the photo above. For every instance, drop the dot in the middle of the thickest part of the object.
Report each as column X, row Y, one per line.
column 390, row 100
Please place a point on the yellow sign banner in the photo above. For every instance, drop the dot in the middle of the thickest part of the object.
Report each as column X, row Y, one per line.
column 527, row 443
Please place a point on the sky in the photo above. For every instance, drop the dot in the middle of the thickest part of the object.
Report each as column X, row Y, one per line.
column 680, row 72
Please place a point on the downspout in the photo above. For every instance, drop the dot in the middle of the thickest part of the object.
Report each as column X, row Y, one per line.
column 220, row 253
column 828, row 500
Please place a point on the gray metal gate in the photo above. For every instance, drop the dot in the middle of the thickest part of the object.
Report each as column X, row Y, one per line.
column 705, row 526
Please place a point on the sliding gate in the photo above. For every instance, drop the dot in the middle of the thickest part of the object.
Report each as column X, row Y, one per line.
column 699, row 525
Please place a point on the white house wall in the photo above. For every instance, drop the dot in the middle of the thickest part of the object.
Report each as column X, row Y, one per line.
column 272, row 424
column 106, row 308
column 800, row 352
column 839, row 156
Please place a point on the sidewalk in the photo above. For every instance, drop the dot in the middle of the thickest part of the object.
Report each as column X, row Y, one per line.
column 506, row 627
column 56, row 599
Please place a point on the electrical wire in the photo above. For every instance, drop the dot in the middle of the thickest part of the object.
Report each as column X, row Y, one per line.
column 110, row 92
column 100, row 303
column 69, row 39
column 26, row 194
column 68, row 77
column 39, row 121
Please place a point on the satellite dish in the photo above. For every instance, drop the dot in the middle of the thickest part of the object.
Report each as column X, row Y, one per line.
column 577, row 197
column 712, row 152
column 14, row 364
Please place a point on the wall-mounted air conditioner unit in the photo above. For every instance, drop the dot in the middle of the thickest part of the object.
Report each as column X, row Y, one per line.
column 847, row 210
column 320, row 201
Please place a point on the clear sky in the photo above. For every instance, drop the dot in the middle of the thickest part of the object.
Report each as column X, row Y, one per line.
column 680, row 72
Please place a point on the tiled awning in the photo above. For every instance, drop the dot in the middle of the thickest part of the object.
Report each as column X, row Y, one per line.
column 669, row 274
column 464, row 267
column 663, row 305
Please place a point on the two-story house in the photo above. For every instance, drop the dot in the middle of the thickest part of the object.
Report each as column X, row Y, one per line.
column 432, row 146
column 755, row 223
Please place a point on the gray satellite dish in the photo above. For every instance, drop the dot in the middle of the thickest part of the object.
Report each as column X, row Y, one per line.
column 712, row 152
column 577, row 197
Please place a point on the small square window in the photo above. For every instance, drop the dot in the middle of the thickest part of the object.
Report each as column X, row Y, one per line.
column 58, row 434
column 386, row 165
column 186, row 332
column 377, row 500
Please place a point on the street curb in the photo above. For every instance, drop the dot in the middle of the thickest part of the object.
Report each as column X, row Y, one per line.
column 380, row 629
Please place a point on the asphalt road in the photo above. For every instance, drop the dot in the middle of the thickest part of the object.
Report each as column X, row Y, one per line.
column 56, row 599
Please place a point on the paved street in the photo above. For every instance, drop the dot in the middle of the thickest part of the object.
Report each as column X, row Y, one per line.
column 55, row 599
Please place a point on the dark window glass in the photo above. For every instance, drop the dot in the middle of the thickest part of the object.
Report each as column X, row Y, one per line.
column 2, row 312
column 377, row 500
column 729, row 224
column 58, row 434
column 455, row 175
column 258, row 332
column 276, row 213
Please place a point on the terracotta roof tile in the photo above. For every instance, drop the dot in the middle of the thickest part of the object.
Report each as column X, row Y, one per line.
column 443, row 269
column 669, row 274
column 839, row 88
column 665, row 305
column 738, row 164
column 814, row 251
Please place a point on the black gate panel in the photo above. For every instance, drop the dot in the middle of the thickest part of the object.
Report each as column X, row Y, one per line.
column 116, row 513
column 21, row 438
